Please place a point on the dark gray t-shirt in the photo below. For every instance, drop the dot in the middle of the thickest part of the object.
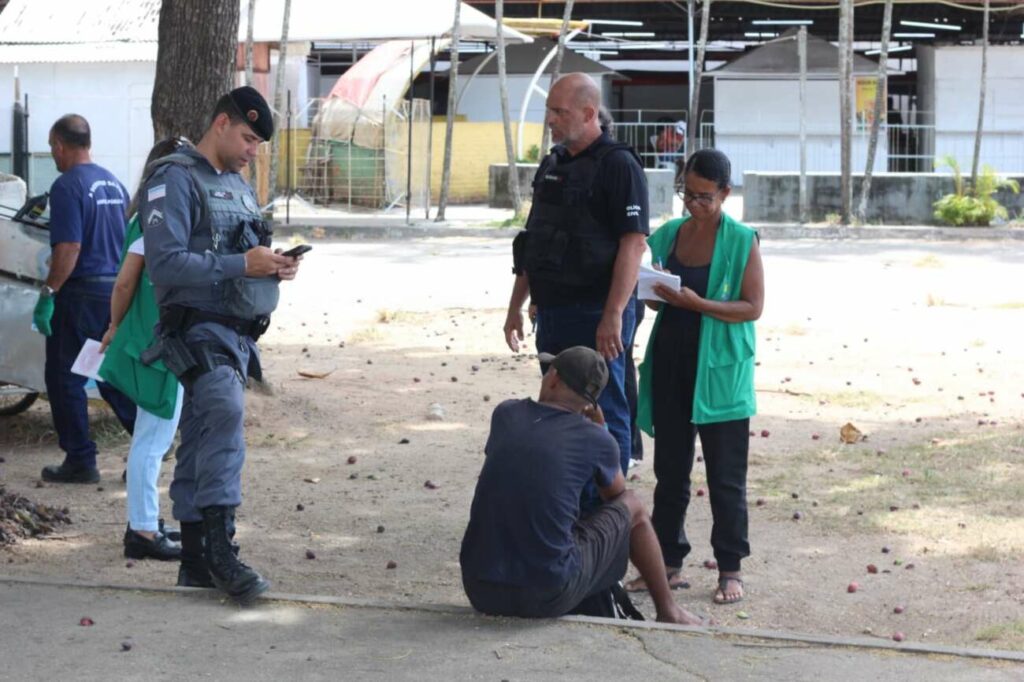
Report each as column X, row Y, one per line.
column 527, row 497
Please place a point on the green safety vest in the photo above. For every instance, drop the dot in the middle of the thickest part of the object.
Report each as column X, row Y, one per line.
column 151, row 387
column 724, row 390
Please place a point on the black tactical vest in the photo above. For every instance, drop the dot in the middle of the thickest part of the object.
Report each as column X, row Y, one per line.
column 566, row 247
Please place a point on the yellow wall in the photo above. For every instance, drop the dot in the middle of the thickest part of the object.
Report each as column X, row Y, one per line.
column 475, row 146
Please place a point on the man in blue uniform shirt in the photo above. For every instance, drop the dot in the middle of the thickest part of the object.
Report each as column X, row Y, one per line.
column 216, row 281
column 87, row 225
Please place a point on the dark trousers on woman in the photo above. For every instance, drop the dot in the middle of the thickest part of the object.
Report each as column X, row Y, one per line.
column 725, row 446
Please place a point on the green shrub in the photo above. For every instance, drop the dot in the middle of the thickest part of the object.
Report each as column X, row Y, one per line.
column 972, row 206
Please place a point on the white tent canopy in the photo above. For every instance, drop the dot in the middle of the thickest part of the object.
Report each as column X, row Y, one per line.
column 357, row 20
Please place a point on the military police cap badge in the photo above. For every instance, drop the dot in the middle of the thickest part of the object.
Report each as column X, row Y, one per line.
column 256, row 110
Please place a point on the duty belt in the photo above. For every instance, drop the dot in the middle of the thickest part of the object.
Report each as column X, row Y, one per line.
column 180, row 318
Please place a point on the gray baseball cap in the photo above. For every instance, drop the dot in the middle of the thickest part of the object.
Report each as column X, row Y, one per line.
column 581, row 368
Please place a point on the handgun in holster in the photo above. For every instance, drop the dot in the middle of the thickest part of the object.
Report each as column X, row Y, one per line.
column 252, row 233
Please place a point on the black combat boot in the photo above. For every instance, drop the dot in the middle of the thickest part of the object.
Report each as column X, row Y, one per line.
column 193, row 571
column 239, row 581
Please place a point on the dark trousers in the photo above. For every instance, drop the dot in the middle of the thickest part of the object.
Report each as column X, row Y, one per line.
column 725, row 446
column 565, row 326
column 637, row 441
column 81, row 311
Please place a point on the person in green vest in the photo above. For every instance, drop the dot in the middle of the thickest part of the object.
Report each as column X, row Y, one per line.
column 697, row 377
column 156, row 392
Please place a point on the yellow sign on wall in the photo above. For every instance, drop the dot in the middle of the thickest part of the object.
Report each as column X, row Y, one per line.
column 864, row 112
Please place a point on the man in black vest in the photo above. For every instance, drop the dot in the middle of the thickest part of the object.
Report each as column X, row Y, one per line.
column 579, row 255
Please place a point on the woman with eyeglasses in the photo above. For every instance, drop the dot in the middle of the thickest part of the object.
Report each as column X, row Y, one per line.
column 156, row 392
column 698, row 372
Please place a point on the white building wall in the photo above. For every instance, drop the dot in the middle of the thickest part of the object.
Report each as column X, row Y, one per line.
column 953, row 87
column 114, row 98
column 757, row 125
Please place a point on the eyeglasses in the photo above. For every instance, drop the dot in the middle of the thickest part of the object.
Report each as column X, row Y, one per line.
column 695, row 198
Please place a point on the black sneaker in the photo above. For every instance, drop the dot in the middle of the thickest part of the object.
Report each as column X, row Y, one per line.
column 63, row 473
column 140, row 547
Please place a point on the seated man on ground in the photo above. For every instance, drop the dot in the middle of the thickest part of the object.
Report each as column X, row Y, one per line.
column 526, row 551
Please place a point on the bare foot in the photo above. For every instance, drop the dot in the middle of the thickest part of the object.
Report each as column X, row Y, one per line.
column 677, row 614
column 674, row 576
column 730, row 588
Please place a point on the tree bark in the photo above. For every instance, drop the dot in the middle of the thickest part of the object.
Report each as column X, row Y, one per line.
column 195, row 64
column 556, row 71
column 513, row 172
column 845, row 111
column 275, row 142
column 981, row 99
column 876, row 120
column 449, row 121
column 693, row 116
column 251, row 16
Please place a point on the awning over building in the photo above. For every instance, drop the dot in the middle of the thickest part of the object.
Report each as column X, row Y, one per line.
column 780, row 59
column 525, row 59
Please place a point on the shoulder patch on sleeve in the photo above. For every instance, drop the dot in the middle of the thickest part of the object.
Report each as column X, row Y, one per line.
column 155, row 217
column 157, row 192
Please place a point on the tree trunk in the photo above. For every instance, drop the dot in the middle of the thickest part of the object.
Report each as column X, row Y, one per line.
column 693, row 116
column 195, row 64
column 248, row 41
column 981, row 99
column 845, row 111
column 275, row 142
column 513, row 172
column 556, row 71
column 876, row 120
column 449, row 121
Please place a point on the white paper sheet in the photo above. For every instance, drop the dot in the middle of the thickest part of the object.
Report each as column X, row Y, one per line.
column 88, row 362
column 648, row 277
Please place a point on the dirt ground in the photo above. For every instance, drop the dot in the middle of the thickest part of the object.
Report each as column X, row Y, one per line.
column 915, row 344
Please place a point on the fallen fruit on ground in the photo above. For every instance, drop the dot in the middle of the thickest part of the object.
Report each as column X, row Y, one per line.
column 872, row 568
column 86, row 621
column 852, row 587
column 310, row 554
column 710, row 564
column 898, row 609
column 392, row 565
column 898, row 636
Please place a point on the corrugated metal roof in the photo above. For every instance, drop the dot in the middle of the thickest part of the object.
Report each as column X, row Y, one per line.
column 79, row 21
column 78, row 53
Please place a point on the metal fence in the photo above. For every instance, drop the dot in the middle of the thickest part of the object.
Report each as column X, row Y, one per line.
column 374, row 165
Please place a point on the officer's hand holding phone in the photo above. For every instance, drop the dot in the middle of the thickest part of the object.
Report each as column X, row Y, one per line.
column 261, row 261
column 294, row 255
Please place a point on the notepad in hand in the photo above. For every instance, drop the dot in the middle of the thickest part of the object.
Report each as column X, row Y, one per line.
column 648, row 277
column 88, row 362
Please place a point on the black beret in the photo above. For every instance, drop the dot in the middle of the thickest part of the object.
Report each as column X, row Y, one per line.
column 254, row 109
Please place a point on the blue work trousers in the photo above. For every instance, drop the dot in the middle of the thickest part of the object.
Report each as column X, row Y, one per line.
column 81, row 311
column 210, row 457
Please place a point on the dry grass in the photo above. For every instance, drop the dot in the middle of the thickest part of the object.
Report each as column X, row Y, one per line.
column 1006, row 635
column 959, row 496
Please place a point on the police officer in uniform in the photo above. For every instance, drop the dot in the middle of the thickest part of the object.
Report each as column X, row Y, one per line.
column 579, row 255
column 216, row 281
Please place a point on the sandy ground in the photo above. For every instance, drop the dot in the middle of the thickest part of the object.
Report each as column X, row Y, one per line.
column 916, row 344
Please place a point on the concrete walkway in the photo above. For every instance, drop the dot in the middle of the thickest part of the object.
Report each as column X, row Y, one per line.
column 190, row 634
